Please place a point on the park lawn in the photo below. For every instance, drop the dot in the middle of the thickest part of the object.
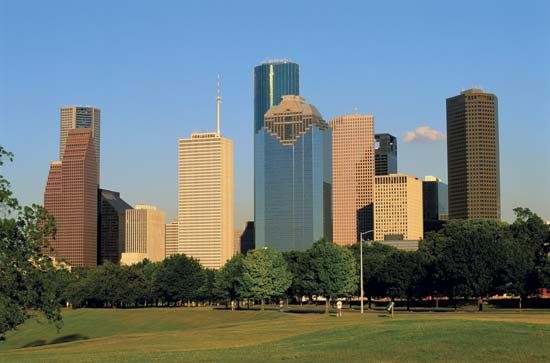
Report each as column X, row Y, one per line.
column 205, row 335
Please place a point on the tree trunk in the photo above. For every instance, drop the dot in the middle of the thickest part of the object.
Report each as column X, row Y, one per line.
column 520, row 303
column 262, row 304
column 327, row 305
column 370, row 302
column 480, row 304
column 437, row 301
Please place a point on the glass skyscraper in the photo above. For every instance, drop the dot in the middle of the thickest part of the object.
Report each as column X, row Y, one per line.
column 292, row 171
column 273, row 80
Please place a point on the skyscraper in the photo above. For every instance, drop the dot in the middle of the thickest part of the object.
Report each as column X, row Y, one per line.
column 272, row 80
column 77, row 117
column 247, row 238
column 71, row 197
column 398, row 208
column 352, row 177
column 435, row 203
column 111, row 225
column 386, row 154
column 293, row 173
column 144, row 235
column 473, row 155
column 205, row 212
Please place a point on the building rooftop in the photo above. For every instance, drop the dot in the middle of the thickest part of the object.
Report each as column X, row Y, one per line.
column 293, row 104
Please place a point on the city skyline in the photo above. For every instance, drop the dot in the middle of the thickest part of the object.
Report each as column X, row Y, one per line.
column 176, row 104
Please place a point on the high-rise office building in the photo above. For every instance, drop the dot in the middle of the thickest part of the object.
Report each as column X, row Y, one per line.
column 352, row 177
column 272, row 80
column 171, row 235
column 247, row 238
column 435, row 203
column 385, row 154
column 292, row 203
column 144, row 235
column 71, row 197
column 205, row 212
column 77, row 117
column 111, row 225
column 473, row 155
column 398, row 207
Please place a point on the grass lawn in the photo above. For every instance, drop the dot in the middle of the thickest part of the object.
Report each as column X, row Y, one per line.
column 205, row 335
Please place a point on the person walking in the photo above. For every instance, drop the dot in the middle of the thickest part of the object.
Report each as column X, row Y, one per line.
column 281, row 305
column 339, row 309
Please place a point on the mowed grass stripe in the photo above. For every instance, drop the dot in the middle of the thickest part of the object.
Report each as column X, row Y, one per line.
column 252, row 336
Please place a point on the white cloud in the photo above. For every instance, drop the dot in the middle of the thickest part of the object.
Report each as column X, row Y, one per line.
column 424, row 134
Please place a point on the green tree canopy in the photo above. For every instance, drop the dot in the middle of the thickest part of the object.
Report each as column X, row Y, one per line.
column 179, row 279
column 26, row 274
column 264, row 275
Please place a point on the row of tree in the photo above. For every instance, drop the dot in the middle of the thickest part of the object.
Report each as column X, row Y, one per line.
column 465, row 259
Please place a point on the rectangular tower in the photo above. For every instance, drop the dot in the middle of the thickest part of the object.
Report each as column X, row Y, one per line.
column 435, row 205
column 205, row 205
column 398, row 208
column 352, row 177
column 144, row 234
column 71, row 197
column 473, row 155
column 385, row 154
column 111, row 225
column 293, row 177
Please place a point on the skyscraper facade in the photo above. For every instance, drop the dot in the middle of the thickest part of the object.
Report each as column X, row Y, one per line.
column 144, row 235
column 398, row 208
column 385, row 154
column 71, row 197
column 111, row 225
column 77, row 117
column 272, row 80
column 352, row 177
column 171, row 236
column 473, row 155
column 205, row 209
column 435, row 203
column 292, row 177
column 247, row 238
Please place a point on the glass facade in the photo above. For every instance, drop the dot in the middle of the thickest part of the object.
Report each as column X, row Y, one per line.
column 272, row 81
column 292, row 177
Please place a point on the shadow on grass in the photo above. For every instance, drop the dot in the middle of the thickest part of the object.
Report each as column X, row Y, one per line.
column 63, row 339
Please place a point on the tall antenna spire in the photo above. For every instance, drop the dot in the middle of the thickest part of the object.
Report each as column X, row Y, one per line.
column 218, row 107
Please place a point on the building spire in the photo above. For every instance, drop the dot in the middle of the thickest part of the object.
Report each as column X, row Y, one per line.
column 218, row 107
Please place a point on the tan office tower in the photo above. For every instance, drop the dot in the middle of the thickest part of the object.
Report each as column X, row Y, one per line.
column 398, row 213
column 71, row 197
column 205, row 211
column 352, row 177
column 145, row 235
column 77, row 117
column 171, row 243
column 473, row 155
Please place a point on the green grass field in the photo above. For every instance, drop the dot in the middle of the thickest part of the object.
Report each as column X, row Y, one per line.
column 205, row 335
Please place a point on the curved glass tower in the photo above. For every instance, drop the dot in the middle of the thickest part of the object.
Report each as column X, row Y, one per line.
column 292, row 176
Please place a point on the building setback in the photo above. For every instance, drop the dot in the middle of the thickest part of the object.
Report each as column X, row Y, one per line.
column 111, row 225
column 352, row 177
column 76, row 117
column 292, row 177
column 171, row 234
column 385, row 154
column 398, row 208
column 473, row 155
column 205, row 206
column 144, row 235
column 71, row 197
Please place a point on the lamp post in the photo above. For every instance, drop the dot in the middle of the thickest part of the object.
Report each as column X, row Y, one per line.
column 361, row 263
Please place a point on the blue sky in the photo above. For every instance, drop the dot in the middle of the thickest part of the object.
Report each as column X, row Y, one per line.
column 151, row 67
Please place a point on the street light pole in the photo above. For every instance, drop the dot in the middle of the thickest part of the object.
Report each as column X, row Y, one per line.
column 361, row 263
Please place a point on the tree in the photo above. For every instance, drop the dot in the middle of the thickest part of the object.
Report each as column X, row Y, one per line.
column 333, row 271
column 26, row 274
column 229, row 278
column 374, row 256
column 179, row 279
column 264, row 275
column 207, row 292
column 297, row 265
column 465, row 257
